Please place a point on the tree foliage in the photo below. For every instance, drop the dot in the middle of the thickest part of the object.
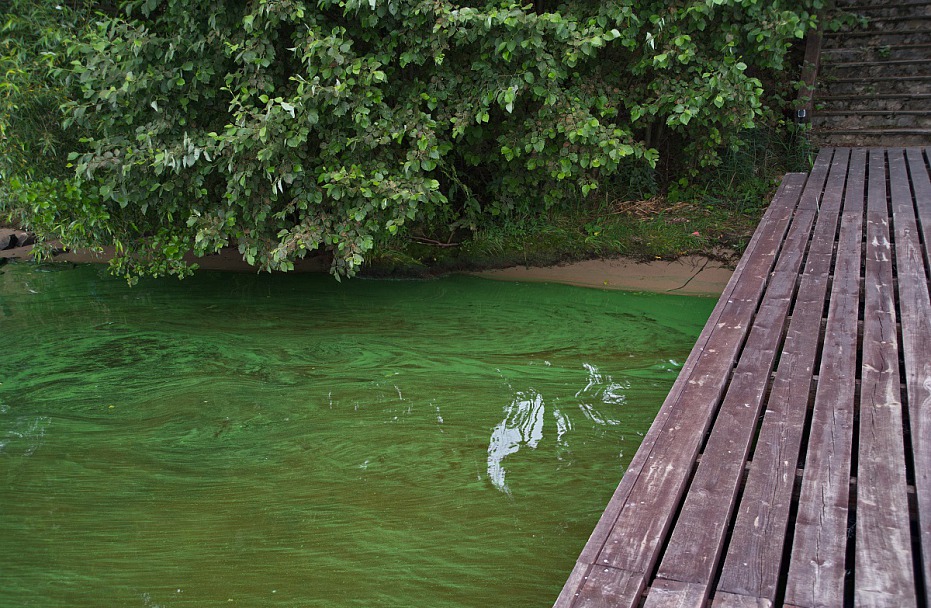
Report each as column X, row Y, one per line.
column 283, row 127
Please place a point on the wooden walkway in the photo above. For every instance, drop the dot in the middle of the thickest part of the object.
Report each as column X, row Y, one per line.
column 791, row 462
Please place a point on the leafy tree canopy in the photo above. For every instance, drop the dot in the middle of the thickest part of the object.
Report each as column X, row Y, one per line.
column 281, row 126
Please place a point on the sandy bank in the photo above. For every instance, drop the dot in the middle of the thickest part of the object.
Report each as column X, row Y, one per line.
column 690, row 275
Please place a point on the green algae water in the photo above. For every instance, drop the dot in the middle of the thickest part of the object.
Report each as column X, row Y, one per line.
column 241, row 440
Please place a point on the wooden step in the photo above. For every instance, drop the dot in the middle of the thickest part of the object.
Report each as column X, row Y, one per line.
column 860, row 8
column 876, row 69
column 898, row 52
column 909, row 96
column 858, row 103
column 917, row 47
column 871, row 137
column 876, row 113
column 870, row 119
column 875, row 87
column 878, row 79
column 873, row 21
column 923, row 132
column 843, row 40
column 867, row 33
column 888, row 63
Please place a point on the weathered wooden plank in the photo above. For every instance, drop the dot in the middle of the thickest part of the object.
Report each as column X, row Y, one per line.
column 883, row 561
column 915, row 309
column 616, row 564
column 696, row 542
column 572, row 585
column 636, row 537
column 733, row 600
column 751, row 568
column 816, row 567
column 676, row 594
column 605, row 587
column 918, row 166
column 741, row 293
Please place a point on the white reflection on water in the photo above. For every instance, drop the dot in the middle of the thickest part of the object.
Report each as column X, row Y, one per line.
column 24, row 434
column 524, row 416
column 603, row 389
column 522, row 425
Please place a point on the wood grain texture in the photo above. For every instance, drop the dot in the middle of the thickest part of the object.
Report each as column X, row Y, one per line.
column 697, row 539
column 918, row 166
column 816, row 568
column 658, row 487
column 752, row 566
column 883, row 573
column 676, row 594
column 610, row 588
column 733, row 600
column 915, row 308
column 846, row 235
column 749, row 278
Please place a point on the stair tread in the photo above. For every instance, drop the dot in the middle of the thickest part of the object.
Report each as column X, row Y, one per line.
column 867, row 79
column 875, row 97
column 900, row 18
column 873, row 113
column 891, row 47
column 879, row 62
column 873, row 131
column 863, row 33
column 894, row 43
column 879, row 7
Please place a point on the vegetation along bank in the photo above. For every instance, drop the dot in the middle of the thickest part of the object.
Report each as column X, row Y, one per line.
column 395, row 135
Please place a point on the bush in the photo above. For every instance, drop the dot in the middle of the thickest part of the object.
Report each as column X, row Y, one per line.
column 285, row 127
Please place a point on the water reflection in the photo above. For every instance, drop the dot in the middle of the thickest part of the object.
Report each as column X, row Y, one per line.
column 601, row 389
column 598, row 401
column 273, row 437
column 23, row 435
column 522, row 425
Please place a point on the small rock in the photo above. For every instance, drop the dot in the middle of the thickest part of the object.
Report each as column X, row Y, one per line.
column 8, row 239
column 25, row 239
column 11, row 239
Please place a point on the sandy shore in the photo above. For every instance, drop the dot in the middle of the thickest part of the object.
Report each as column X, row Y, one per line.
column 690, row 275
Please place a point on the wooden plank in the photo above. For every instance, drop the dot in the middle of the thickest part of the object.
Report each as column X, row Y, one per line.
column 637, row 535
column 883, row 561
column 816, row 567
column 809, row 77
column 697, row 539
column 676, row 594
column 733, row 600
column 915, row 308
column 572, row 585
column 752, row 566
column 748, row 278
column 616, row 564
column 919, row 171
column 605, row 587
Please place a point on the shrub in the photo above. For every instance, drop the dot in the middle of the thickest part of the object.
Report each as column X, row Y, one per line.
column 284, row 127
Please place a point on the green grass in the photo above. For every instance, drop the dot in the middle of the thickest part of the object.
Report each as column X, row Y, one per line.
column 645, row 233
column 645, row 215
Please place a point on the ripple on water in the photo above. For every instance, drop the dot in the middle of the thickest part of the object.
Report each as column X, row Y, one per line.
column 287, row 440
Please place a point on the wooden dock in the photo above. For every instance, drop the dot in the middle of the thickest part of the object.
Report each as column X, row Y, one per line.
column 790, row 464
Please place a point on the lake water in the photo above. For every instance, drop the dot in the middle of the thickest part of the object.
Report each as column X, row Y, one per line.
column 256, row 440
